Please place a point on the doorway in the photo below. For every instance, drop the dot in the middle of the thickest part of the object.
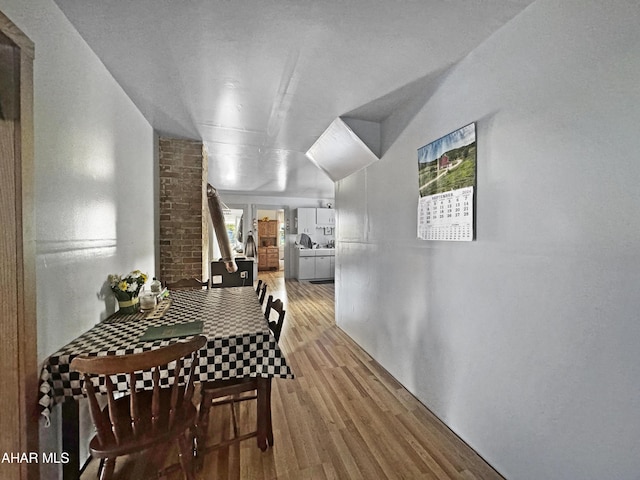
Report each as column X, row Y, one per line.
column 271, row 239
column 233, row 222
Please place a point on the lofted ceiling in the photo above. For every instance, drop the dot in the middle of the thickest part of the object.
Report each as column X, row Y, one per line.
column 259, row 81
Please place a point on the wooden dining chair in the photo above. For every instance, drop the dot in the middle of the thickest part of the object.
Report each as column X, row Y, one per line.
column 188, row 284
column 141, row 419
column 258, row 286
column 230, row 392
column 275, row 325
column 234, row 391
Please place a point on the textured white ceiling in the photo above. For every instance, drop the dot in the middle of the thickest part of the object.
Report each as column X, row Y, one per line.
column 260, row 80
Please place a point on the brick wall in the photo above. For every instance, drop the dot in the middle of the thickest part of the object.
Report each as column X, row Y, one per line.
column 183, row 234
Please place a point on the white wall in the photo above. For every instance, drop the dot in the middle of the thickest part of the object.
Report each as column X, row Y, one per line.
column 94, row 184
column 525, row 342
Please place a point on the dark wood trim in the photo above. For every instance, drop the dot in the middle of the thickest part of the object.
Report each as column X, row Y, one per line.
column 19, row 351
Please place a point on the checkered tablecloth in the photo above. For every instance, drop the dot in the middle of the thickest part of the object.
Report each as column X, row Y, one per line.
column 239, row 342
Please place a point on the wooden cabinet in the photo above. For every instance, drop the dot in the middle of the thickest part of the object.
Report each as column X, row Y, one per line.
column 267, row 233
column 262, row 258
column 272, row 229
column 268, row 258
column 268, row 251
column 305, row 220
column 273, row 257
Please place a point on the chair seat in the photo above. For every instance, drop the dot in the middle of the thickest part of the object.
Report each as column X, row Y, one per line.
column 184, row 419
column 232, row 386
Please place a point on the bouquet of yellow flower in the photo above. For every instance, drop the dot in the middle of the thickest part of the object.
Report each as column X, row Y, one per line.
column 126, row 289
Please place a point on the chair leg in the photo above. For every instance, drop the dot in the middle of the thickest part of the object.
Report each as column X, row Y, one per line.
column 269, row 423
column 186, row 456
column 234, row 418
column 107, row 469
column 197, row 450
column 202, row 429
column 100, row 467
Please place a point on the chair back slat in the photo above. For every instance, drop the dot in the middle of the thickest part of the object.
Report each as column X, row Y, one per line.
column 103, row 427
column 155, row 402
column 116, row 424
column 124, row 418
column 263, row 293
column 258, row 286
column 133, row 406
column 189, row 388
column 174, row 394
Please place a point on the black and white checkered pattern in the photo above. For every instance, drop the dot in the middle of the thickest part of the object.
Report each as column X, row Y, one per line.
column 239, row 343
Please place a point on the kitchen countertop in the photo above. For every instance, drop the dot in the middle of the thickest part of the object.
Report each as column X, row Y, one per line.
column 316, row 252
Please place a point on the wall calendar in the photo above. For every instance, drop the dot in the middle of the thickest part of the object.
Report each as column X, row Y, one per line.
column 447, row 184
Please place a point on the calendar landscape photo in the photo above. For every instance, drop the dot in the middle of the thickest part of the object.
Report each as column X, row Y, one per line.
column 448, row 163
column 446, row 184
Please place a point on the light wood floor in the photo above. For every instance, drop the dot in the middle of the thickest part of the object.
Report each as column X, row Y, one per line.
column 343, row 417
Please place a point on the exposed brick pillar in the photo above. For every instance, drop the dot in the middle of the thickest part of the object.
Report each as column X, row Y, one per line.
column 183, row 232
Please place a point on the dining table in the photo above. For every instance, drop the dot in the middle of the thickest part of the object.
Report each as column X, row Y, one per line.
column 239, row 344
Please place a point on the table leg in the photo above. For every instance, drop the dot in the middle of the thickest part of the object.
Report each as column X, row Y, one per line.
column 71, row 439
column 268, row 411
column 265, row 433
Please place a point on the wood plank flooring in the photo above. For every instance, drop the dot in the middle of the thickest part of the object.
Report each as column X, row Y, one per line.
column 343, row 417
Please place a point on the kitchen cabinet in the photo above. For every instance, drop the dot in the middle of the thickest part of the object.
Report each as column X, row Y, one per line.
column 315, row 264
column 305, row 220
column 325, row 217
column 306, row 268
column 323, row 267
